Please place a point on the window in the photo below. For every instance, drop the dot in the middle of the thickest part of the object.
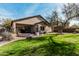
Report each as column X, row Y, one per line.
column 42, row 28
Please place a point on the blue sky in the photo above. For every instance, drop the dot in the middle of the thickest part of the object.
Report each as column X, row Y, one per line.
column 21, row 10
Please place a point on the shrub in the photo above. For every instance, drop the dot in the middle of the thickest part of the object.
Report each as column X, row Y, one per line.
column 6, row 36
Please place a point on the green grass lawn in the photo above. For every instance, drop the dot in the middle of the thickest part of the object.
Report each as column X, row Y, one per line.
column 46, row 45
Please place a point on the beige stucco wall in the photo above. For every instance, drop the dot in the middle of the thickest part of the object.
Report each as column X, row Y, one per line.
column 15, row 26
column 47, row 28
column 31, row 21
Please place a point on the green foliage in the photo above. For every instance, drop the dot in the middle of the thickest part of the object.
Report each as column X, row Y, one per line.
column 47, row 45
column 7, row 24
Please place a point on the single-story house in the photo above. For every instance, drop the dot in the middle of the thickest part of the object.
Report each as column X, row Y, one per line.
column 31, row 24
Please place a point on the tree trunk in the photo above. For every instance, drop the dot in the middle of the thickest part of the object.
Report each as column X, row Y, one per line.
column 60, row 29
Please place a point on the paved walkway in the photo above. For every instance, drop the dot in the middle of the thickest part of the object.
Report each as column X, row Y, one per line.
column 15, row 39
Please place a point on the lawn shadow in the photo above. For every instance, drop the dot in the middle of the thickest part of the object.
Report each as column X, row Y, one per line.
column 52, row 48
column 42, row 38
column 63, row 48
column 56, row 49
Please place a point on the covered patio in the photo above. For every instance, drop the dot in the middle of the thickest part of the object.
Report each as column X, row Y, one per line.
column 31, row 25
column 23, row 29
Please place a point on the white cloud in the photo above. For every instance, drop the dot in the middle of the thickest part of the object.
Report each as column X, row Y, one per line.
column 30, row 10
column 47, row 10
column 59, row 9
column 5, row 14
column 74, row 22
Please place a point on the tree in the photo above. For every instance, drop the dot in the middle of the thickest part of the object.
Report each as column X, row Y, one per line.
column 73, row 10
column 53, row 19
column 7, row 24
column 70, row 11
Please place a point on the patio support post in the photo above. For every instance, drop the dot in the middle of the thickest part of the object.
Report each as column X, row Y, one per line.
column 38, row 28
column 14, row 27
